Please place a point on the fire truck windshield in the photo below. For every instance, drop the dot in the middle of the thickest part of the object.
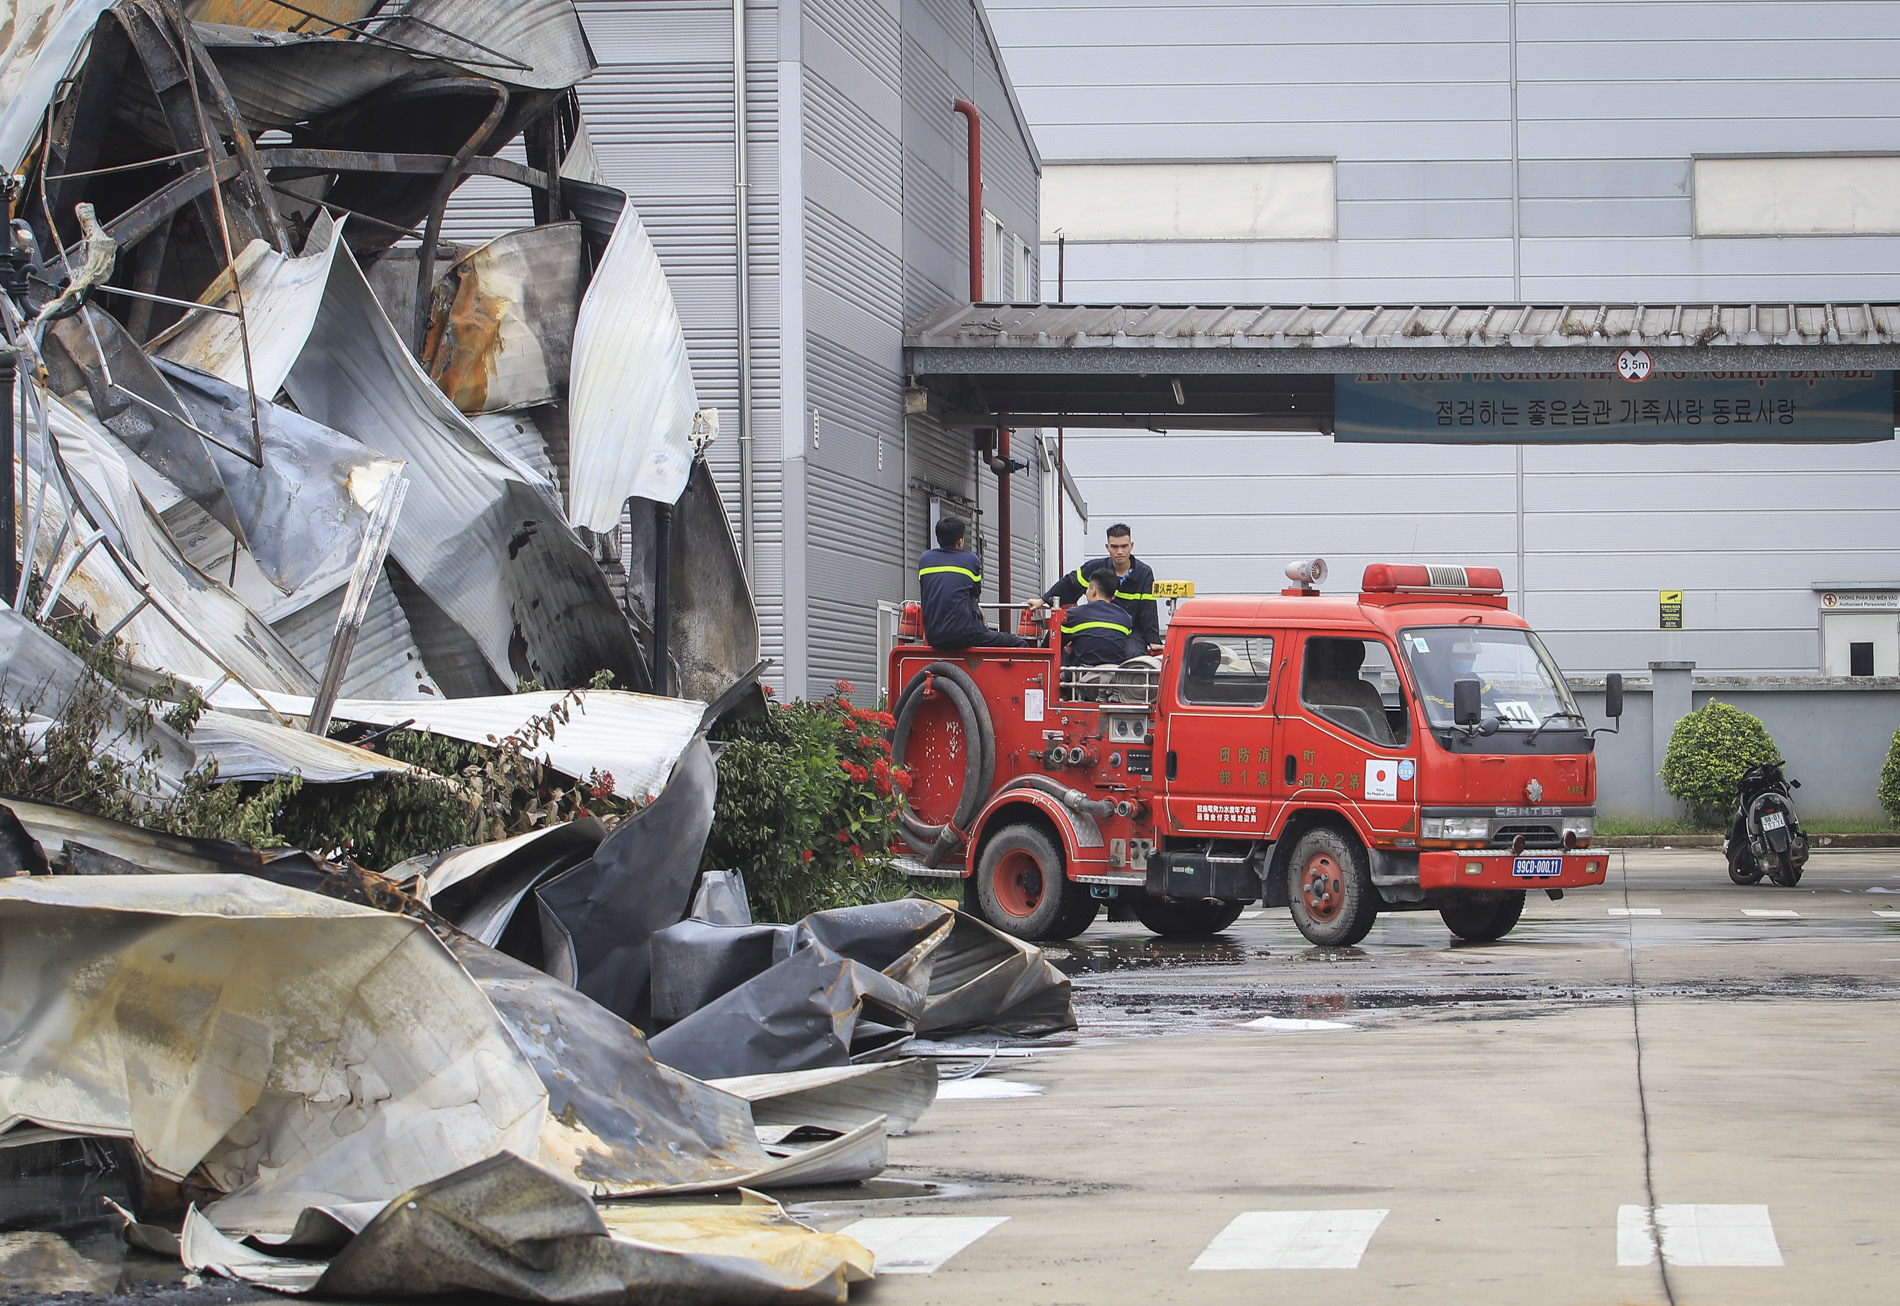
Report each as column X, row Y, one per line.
column 1521, row 686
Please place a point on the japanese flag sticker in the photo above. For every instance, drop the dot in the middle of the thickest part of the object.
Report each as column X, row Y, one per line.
column 1382, row 779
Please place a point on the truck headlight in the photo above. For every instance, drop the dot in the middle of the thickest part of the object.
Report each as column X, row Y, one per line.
column 1584, row 827
column 1455, row 827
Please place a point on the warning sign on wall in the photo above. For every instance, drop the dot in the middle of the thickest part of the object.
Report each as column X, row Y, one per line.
column 1669, row 609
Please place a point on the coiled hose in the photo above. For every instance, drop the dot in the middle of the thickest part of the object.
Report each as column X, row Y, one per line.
column 935, row 842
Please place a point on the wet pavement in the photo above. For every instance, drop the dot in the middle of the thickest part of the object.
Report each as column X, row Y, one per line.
column 1251, row 1118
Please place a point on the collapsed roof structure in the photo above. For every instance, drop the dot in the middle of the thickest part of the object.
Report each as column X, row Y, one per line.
column 276, row 435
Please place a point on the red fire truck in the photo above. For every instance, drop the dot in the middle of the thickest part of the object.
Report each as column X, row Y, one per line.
column 1412, row 747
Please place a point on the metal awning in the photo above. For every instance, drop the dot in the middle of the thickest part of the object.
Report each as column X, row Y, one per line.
column 1271, row 367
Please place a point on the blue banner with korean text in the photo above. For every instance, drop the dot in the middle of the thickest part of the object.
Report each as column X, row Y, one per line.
column 1603, row 408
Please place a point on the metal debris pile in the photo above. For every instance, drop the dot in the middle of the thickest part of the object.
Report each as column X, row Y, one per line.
column 278, row 440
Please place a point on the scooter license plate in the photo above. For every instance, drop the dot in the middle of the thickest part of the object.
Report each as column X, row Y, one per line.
column 1533, row 868
column 1773, row 820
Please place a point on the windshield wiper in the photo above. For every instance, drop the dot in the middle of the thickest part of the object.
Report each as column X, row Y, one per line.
column 1574, row 716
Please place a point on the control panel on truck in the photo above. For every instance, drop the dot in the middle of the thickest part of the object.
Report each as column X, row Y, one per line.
column 1411, row 747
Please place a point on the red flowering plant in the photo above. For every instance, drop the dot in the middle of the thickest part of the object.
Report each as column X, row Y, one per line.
column 807, row 805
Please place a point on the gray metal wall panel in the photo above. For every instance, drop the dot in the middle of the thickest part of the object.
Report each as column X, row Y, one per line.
column 659, row 112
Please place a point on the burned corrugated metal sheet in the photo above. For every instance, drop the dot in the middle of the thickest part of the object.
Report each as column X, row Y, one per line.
column 280, row 79
column 537, row 43
column 41, row 39
column 214, row 616
column 631, row 398
column 503, row 320
column 477, row 538
column 712, row 626
column 281, row 297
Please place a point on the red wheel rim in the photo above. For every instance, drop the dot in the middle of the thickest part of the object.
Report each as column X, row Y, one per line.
column 1017, row 883
column 1322, row 887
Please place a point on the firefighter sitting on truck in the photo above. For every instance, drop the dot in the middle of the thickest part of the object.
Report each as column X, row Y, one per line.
column 948, row 581
column 1132, row 592
column 1098, row 632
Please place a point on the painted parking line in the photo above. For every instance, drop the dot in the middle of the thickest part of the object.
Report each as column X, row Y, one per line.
column 1291, row 1023
column 919, row 1244
column 1291, row 1240
column 1697, row 1235
column 1768, row 911
column 974, row 1089
column 1635, row 911
column 1888, row 915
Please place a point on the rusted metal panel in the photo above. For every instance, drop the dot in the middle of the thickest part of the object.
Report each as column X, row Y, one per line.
column 502, row 324
column 272, row 16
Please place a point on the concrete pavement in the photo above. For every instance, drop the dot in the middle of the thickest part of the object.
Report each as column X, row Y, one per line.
column 1500, row 1104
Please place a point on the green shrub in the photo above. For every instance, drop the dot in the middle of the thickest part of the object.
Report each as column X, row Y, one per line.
column 1708, row 751
column 1889, row 791
column 807, row 807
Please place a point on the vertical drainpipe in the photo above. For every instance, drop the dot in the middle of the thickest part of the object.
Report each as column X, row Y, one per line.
column 1001, row 462
column 742, row 270
column 1062, row 463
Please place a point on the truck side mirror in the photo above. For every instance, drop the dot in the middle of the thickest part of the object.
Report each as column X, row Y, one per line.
column 1613, row 695
column 1467, row 704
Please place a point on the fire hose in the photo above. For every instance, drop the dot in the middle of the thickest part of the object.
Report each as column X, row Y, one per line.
column 935, row 842
column 1073, row 799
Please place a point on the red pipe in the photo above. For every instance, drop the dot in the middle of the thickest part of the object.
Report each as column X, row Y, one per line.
column 968, row 110
column 1003, row 496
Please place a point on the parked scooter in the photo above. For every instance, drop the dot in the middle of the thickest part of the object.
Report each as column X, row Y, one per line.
column 1766, row 837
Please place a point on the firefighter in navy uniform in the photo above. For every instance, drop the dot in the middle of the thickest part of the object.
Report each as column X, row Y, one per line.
column 1133, row 590
column 949, row 579
column 1097, row 632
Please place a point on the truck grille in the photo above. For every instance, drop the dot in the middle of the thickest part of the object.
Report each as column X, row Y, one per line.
column 1535, row 836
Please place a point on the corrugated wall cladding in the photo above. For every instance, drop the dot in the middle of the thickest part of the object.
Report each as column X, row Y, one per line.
column 1414, row 101
column 659, row 113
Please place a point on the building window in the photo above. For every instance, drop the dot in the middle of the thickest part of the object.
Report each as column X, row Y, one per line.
column 992, row 257
column 1102, row 202
column 1022, row 279
column 1798, row 196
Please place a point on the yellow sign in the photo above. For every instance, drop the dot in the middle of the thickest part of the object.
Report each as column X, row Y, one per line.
column 1669, row 609
column 1174, row 589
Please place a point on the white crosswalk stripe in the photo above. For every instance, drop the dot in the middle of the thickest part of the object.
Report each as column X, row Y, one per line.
column 1635, row 911
column 1888, row 915
column 919, row 1244
column 1768, row 911
column 1697, row 1235
column 1291, row 1240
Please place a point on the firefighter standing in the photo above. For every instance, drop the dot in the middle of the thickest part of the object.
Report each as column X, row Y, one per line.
column 1097, row 632
column 949, row 579
column 1132, row 592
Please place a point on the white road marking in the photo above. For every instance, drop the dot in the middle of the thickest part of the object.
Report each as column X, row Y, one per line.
column 1697, row 1235
column 1888, row 915
column 1249, row 915
column 1635, row 911
column 1288, row 1023
column 1768, row 911
column 1291, row 1240
column 919, row 1244
column 974, row 1089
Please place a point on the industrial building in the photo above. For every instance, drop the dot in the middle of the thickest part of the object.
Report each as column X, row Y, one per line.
column 1568, row 154
column 856, row 195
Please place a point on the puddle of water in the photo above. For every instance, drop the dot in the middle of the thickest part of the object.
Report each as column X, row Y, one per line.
column 56, row 1234
column 1086, row 957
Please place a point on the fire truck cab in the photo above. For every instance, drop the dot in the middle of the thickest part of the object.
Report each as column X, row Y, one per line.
column 1412, row 747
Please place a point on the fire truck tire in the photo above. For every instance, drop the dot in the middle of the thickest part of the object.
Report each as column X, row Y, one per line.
column 1329, row 888
column 1479, row 920
column 1181, row 919
column 1023, row 889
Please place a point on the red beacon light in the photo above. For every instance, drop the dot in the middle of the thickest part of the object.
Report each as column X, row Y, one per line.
column 1430, row 578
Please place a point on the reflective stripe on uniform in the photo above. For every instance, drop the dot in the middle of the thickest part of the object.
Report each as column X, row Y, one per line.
column 961, row 571
column 1097, row 625
column 1136, row 597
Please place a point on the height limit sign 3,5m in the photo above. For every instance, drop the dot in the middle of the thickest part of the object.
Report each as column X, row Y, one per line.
column 1669, row 609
